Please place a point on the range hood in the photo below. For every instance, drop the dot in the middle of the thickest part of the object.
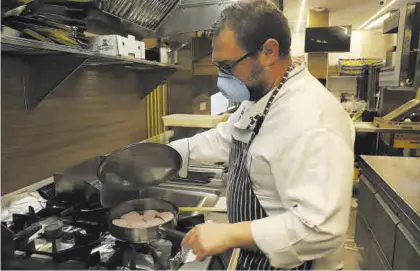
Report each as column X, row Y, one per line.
column 156, row 18
column 195, row 15
column 159, row 18
column 191, row 16
column 146, row 13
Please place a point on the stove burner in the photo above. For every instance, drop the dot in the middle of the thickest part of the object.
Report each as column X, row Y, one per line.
column 60, row 236
column 143, row 256
column 54, row 230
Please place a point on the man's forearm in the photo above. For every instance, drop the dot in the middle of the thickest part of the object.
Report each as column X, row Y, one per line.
column 240, row 235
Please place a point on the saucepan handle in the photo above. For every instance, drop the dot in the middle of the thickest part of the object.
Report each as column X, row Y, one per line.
column 203, row 209
column 172, row 232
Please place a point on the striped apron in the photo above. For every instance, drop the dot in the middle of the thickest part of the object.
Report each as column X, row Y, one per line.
column 242, row 204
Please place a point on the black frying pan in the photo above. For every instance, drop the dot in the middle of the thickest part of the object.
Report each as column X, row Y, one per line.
column 139, row 165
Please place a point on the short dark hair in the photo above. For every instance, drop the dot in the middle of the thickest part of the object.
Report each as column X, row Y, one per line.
column 253, row 22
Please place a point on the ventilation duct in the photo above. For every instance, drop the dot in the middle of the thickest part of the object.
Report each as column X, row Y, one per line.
column 145, row 13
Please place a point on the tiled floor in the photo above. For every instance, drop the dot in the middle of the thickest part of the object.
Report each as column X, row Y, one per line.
column 350, row 248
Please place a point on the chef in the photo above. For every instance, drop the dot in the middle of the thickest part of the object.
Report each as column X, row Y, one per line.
column 289, row 148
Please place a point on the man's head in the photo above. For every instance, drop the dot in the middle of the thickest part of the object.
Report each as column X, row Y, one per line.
column 256, row 33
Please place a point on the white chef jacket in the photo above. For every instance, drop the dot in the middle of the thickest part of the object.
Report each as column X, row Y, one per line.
column 301, row 167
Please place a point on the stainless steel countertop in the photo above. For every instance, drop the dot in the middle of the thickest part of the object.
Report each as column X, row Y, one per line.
column 368, row 127
column 402, row 174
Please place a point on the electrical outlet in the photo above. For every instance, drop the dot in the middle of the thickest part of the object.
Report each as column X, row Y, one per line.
column 203, row 106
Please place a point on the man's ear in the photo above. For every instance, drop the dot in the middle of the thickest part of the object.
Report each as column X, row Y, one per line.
column 271, row 50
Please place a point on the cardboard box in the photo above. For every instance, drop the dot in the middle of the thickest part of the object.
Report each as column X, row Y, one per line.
column 199, row 100
column 164, row 55
column 116, row 45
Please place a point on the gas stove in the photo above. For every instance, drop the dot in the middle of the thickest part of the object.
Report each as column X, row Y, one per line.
column 60, row 236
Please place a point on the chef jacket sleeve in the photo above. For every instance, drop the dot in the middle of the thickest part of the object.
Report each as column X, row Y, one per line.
column 313, row 178
column 208, row 147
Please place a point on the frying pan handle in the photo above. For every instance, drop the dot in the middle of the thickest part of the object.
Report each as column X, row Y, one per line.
column 172, row 232
column 203, row 209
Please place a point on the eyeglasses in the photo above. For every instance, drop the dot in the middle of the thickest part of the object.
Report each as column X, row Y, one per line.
column 227, row 68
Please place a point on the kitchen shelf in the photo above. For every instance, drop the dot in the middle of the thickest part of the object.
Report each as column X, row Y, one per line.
column 18, row 45
column 42, row 60
column 104, row 60
column 22, row 46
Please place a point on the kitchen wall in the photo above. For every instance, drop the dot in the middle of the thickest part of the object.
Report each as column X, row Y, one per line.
column 370, row 43
column 298, row 44
column 91, row 113
column 342, row 84
column 189, row 93
column 363, row 44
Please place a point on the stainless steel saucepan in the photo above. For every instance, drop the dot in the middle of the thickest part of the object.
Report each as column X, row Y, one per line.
column 144, row 235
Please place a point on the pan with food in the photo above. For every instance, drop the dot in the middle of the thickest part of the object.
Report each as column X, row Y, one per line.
column 144, row 220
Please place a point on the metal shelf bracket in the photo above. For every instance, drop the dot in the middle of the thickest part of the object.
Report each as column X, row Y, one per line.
column 47, row 65
column 44, row 73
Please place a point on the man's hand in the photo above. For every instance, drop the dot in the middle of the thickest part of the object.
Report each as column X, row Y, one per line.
column 215, row 238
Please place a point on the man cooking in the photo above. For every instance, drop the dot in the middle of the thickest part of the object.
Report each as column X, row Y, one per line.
column 289, row 148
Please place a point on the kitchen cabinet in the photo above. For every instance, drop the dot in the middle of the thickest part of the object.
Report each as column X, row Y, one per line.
column 384, row 227
column 387, row 224
column 372, row 256
column 407, row 250
column 367, row 193
column 363, row 235
column 377, row 257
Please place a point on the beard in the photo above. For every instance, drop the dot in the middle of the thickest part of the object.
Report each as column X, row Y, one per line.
column 257, row 91
column 259, row 87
